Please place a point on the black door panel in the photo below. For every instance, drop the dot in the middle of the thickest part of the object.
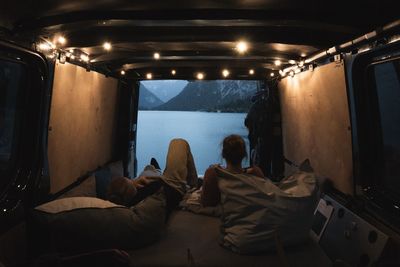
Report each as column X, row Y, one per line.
column 23, row 94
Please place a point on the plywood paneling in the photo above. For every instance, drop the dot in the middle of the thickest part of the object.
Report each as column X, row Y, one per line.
column 82, row 122
column 316, row 124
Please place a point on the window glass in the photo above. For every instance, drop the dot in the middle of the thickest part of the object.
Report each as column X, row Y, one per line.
column 202, row 112
column 388, row 94
column 10, row 82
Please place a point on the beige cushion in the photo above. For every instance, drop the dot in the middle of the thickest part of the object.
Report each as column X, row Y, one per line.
column 72, row 203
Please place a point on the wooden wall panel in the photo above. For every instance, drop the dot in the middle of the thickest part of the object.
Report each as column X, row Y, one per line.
column 82, row 121
column 316, row 124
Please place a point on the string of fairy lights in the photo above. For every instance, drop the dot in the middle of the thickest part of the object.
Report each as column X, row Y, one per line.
column 55, row 49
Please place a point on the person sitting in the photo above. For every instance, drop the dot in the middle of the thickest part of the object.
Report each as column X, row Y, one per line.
column 258, row 215
column 180, row 171
column 233, row 151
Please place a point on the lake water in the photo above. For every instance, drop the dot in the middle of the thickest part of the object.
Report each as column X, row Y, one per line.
column 203, row 130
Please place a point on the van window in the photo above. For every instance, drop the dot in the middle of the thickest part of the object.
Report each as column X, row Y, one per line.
column 202, row 112
column 387, row 84
column 11, row 77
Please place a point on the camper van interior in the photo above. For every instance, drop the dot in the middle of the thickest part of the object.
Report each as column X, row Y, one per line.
column 311, row 89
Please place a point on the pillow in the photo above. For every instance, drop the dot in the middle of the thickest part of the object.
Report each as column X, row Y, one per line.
column 104, row 176
column 116, row 169
column 72, row 203
column 82, row 224
column 103, row 179
column 255, row 210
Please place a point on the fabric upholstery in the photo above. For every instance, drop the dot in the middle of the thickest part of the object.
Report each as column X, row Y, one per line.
column 198, row 235
column 103, row 179
column 96, row 224
column 255, row 210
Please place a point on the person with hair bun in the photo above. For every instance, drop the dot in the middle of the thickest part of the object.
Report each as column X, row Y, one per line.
column 233, row 151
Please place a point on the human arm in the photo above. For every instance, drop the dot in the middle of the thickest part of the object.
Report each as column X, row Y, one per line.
column 142, row 181
column 210, row 194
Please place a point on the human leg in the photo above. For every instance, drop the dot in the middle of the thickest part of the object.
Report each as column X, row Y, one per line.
column 180, row 164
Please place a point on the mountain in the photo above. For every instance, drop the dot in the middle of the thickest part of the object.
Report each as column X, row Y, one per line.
column 166, row 89
column 147, row 100
column 220, row 95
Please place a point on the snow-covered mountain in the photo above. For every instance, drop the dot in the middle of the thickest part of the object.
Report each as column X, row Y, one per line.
column 166, row 89
column 220, row 95
column 147, row 100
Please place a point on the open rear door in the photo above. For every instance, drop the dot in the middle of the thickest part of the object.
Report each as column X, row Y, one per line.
column 23, row 109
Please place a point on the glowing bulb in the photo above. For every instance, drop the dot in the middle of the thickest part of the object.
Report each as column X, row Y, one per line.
column 149, row 76
column 156, row 55
column 107, row 46
column 301, row 63
column 85, row 57
column 173, row 72
column 122, row 72
column 44, row 46
column 303, row 55
column 225, row 73
column 292, row 61
column 72, row 57
column 251, row 71
column 71, row 51
column 61, row 40
column 272, row 74
column 241, row 47
column 282, row 73
column 277, row 62
column 200, row 76
column 291, row 73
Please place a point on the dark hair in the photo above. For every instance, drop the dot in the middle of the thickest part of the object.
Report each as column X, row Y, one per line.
column 234, row 149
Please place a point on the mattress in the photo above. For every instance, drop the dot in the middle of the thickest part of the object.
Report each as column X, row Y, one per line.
column 192, row 240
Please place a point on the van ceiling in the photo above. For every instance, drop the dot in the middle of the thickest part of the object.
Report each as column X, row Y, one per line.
column 194, row 36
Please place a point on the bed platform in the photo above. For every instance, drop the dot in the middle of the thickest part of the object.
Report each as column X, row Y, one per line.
column 192, row 240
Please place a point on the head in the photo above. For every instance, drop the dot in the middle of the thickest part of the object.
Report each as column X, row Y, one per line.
column 234, row 149
column 121, row 191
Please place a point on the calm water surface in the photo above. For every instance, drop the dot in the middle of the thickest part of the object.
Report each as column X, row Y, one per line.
column 203, row 130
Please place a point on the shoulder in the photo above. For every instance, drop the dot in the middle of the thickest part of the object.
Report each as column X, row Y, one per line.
column 255, row 170
column 210, row 172
column 212, row 168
